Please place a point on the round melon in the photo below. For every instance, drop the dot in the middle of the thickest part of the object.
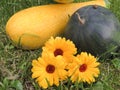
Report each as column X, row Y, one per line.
column 94, row 29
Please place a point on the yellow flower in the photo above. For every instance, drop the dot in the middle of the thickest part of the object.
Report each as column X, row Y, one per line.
column 61, row 47
column 84, row 68
column 48, row 70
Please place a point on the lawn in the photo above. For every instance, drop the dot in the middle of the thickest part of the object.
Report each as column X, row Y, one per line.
column 15, row 63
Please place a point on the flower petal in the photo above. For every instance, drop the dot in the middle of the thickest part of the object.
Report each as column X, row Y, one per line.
column 43, row 83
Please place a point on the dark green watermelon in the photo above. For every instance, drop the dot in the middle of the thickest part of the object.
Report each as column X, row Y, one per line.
column 94, row 29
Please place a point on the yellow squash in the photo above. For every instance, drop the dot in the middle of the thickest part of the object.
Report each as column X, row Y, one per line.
column 31, row 27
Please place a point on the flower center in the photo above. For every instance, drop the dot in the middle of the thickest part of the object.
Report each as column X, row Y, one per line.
column 83, row 68
column 50, row 68
column 58, row 52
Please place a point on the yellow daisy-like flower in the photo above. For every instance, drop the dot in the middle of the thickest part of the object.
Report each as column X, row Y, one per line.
column 84, row 68
column 61, row 47
column 48, row 70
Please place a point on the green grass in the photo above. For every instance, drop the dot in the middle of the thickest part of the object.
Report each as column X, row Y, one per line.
column 15, row 64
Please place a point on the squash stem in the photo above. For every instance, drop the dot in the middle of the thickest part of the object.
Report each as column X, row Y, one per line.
column 82, row 21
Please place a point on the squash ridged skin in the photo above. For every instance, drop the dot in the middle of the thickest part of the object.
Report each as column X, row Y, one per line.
column 32, row 27
column 94, row 29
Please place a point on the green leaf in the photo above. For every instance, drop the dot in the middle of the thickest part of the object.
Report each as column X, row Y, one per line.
column 107, row 86
column 97, row 86
column 17, row 85
column 116, row 63
column 1, row 45
column 2, row 87
column 6, row 82
column 107, row 3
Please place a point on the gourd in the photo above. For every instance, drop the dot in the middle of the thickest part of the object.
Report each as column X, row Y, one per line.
column 94, row 29
column 32, row 27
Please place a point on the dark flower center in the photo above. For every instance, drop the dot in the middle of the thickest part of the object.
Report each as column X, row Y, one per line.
column 83, row 68
column 58, row 52
column 50, row 68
